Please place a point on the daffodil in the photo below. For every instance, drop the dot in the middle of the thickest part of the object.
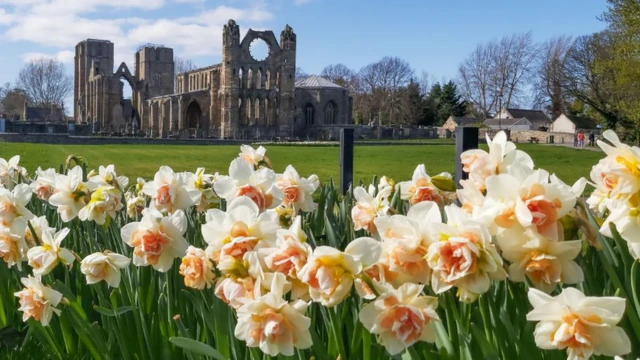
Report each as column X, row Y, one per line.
column 197, row 269
column 38, row 301
column 70, row 195
column 170, row 191
column 244, row 180
column 43, row 259
column 44, row 183
column 582, row 325
column 273, row 324
column 400, row 318
column 157, row 240
column 104, row 266
column 105, row 202
column 330, row 272
column 13, row 203
column 297, row 191
column 369, row 206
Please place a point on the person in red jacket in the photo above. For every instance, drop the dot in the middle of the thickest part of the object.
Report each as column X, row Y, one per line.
column 580, row 139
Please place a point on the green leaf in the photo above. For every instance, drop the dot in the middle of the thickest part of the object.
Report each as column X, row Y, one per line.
column 110, row 312
column 196, row 347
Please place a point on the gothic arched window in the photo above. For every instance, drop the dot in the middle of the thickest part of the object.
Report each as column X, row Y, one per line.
column 330, row 112
column 309, row 115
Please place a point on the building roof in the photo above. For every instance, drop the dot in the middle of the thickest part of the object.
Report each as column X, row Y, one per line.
column 505, row 122
column 535, row 116
column 464, row 121
column 42, row 114
column 582, row 122
column 315, row 81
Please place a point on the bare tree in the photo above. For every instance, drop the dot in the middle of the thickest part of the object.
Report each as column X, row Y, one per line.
column 183, row 65
column 45, row 82
column 341, row 75
column 549, row 67
column 382, row 81
column 301, row 74
column 494, row 74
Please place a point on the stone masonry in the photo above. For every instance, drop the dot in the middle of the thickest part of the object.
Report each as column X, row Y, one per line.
column 240, row 98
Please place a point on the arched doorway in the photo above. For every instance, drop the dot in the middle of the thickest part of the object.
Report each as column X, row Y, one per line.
column 194, row 114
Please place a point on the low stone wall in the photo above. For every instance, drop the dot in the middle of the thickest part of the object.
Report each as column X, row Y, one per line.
column 543, row 136
column 65, row 139
column 523, row 136
column 94, row 140
column 329, row 132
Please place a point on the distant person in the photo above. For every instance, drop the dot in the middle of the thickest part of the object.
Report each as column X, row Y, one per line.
column 592, row 139
column 580, row 139
column 575, row 140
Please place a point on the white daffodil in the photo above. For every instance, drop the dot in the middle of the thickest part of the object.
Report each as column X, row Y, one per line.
column 243, row 180
column 38, row 301
column 252, row 156
column 402, row 317
column 204, row 184
column 546, row 263
column 463, row 256
column 70, row 194
column 104, row 266
column 421, row 187
column 43, row 259
column 273, row 324
column 39, row 224
column 13, row 203
column 329, row 272
column 502, row 158
column 13, row 247
column 583, row 325
column 405, row 240
column 170, row 191
column 532, row 199
column 105, row 202
column 44, row 184
column 297, row 191
column 369, row 206
column 233, row 234
column 157, row 239
column 107, row 177
column 11, row 172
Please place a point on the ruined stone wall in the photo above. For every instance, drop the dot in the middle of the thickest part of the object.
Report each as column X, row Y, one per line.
column 330, row 107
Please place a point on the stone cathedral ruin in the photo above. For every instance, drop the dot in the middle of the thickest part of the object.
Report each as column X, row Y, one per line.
column 242, row 97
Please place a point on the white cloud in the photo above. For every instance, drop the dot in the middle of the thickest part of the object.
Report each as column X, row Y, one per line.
column 63, row 23
column 64, row 56
column 6, row 18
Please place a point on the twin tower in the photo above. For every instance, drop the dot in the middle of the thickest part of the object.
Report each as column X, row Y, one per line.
column 242, row 97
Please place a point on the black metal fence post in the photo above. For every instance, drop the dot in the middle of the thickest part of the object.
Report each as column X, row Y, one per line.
column 466, row 139
column 346, row 159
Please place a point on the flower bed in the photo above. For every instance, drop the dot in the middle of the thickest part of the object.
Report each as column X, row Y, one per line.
column 247, row 265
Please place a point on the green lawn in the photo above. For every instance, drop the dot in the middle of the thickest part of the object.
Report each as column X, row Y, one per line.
column 397, row 162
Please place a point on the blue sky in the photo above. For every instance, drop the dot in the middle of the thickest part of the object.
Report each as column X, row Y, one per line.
column 434, row 36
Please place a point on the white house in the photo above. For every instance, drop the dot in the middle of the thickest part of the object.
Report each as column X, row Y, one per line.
column 572, row 124
column 509, row 124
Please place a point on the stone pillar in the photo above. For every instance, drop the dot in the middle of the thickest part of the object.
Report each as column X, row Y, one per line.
column 152, row 118
column 181, row 111
column 261, row 109
column 252, row 110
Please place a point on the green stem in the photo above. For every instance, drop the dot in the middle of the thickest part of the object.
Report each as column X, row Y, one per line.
column 336, row 331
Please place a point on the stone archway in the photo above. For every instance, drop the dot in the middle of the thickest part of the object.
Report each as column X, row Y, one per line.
column 193, row 115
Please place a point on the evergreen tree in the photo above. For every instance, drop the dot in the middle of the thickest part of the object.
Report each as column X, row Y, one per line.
column 442, row 102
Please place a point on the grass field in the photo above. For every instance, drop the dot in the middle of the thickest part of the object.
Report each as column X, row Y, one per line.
column 396, row 161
